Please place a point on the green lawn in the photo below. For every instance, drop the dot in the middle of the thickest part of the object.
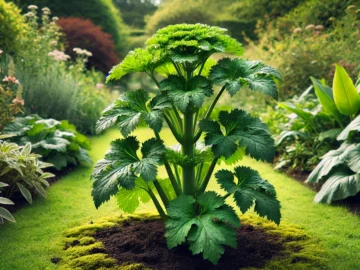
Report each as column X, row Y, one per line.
column 37, row 236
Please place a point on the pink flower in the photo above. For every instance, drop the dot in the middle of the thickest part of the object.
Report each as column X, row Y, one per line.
column 319, row 27
column 310, row 27
column 11, row 79
column 297, row 30
column 99, row 85
column 18, row 101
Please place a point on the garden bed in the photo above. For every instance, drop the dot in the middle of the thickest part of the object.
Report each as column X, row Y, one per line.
column 138, row 242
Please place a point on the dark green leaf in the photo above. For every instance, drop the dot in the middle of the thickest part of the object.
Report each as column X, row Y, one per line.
column 241, row 130
column 251, row 189
column 237, row 73
column 207, row 231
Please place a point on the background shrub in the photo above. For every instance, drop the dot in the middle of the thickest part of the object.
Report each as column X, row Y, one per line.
column 12, row 27
column 101, row 12
column 81, row 33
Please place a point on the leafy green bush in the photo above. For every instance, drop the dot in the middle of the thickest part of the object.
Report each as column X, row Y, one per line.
column 194, row 216
column 57, row 142
column 51, row 81
column 339, row 169
column 306, row 49
column 101, row 12
column 12, row 27
column 22, row 171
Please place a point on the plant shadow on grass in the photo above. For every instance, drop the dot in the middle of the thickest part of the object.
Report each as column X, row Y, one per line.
column 137, row 242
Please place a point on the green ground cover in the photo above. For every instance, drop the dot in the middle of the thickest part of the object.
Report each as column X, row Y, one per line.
column 38, row 234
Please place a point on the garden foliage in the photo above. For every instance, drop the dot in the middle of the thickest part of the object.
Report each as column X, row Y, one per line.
column 50, row 80
column 4, row 213
column 192, row 215
column 101, row 12
column 22, row 171
column 57, row 142
column 12, row 27
column 81, row 33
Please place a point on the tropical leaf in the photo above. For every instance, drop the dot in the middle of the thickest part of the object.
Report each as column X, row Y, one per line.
column 184, row 93
column 207, row 231
column 251, row 189
column 329, row 161
column 237, row 73
column 346, row 96
column 340, row 185
column 353, row 126
column 326, row 98
column 5, row 214
column 122, row 166
column 241, row 130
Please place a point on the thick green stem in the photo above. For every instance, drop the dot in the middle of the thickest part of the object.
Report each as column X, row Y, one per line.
column 206, row 180
column 157, row 204
column 188, row 150
column 209, row 111
column 162, row 194
column 172, row 178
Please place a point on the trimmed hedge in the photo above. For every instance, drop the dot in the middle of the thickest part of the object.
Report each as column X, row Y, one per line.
column 101, row 12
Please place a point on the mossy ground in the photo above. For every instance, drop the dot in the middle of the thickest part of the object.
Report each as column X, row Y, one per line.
column 333, row 233
column 82, row 251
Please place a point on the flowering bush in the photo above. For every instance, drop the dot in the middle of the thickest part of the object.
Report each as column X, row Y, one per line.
column 51, row 80
column 81, row 33
column 101, row 12
column 11, row 101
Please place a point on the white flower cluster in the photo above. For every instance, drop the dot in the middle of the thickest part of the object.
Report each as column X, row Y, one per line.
column 82, row 52
column 58, row 55
column 46, row 11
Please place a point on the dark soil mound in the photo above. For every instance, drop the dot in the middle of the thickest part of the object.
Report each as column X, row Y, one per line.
column 144, row 242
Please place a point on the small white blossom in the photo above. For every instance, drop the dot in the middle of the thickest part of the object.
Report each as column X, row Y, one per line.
column 53, row 42
column 46, row 10
column 55, row 18
column 1, row 51
column 29, row 14
column 309, row 27
column 32, row 7
column 58, row 55
column 297, row 30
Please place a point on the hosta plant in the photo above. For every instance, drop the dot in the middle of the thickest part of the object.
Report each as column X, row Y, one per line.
column 22, row 171
column 57, row 142
column 339, row 170
column 193, row 216
column 4, row 213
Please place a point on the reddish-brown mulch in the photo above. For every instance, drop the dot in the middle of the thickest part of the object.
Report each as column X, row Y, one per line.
column 144, row 242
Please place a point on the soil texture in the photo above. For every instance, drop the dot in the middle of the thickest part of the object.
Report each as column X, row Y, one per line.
column 144, row 242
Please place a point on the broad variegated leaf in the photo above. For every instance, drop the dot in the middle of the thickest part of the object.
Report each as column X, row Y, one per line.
column 354, row 126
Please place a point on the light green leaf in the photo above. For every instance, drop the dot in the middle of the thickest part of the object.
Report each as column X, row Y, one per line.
column 330, row 134
column 26, row 150
column 353, row 126
column 339, row 186
column 207, row 230
column 325, row 96
column 6, row 215
column 129, row 200
column 251, row 189
column 184, row 93
column 5, row 201
column 25, row 192
column 346, row 96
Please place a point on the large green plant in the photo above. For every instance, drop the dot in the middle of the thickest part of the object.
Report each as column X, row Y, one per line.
column 4, row 213
column 339, row 169
column 57, row 142
column 192, row 215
